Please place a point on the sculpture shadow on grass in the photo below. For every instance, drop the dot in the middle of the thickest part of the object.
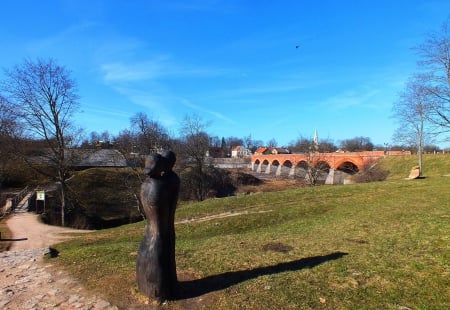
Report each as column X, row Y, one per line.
column 198, row 287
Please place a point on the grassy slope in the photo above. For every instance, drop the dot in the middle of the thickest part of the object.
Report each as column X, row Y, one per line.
column 368, row 246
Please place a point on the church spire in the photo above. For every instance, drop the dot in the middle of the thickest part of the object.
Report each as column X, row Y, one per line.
column 316, row 141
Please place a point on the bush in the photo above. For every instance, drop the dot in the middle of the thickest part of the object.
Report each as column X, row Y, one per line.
column 211, row 182
column 371, row 173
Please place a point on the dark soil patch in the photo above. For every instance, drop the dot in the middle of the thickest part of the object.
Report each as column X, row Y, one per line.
column 277, row 247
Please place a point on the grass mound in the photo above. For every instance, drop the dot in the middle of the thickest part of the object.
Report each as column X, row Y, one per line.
column 104, row 197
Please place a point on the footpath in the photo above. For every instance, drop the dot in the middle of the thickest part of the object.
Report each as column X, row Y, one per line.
column 29, row 282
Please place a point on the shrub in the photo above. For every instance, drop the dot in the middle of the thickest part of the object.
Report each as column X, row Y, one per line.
column 371, row 172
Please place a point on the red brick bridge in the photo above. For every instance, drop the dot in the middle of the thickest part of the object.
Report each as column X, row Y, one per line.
column 287, row 164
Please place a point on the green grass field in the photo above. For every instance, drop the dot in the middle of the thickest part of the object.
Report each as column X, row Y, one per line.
column 383, row 245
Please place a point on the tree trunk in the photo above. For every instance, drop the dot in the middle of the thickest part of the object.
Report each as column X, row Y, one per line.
column 63, row 205
column 420, row 147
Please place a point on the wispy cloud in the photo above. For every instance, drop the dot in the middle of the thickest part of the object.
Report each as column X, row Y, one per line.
column 198, row 108
column 62, row 38
column 106, row 112
column 120, row 72
column 156, row 68
column 156, row 105
column 351, row 99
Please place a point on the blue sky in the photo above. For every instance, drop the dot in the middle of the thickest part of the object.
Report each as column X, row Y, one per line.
column 234, row 63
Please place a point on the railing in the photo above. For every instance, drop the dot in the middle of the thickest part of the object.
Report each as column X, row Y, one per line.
column 12, row 203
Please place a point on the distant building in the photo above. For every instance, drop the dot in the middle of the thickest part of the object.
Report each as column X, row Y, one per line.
column 262, row 151
column 271, row 151
column 240, row 152
column 279, row 150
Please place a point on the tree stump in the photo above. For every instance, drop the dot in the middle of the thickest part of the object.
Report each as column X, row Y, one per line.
column 155, row 267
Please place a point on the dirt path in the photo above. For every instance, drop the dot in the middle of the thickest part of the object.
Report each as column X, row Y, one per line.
column 29, row 233
column 27, row 282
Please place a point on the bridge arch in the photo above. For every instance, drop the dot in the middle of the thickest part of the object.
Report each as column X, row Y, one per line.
column 286, row 168
column 323, row 166
column 352, row 164
column 274, row 167
column 301, row 169
column 348, row 167
column 302, row 164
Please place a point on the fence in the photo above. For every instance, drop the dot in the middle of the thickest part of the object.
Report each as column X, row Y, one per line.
column 12, row 203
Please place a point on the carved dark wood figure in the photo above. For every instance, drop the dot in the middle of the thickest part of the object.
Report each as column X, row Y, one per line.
column 156, row 274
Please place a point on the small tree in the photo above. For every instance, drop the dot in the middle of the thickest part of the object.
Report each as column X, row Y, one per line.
column 150, row 135
column 411, row 111
column 195, row 148
column 47, row 98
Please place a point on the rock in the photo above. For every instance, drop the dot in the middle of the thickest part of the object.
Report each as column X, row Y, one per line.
column 415, row 173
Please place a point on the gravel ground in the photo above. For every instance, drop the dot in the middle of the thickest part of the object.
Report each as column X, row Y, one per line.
column 27, row 282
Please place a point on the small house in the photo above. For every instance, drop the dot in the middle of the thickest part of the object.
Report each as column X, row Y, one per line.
column 240, row 152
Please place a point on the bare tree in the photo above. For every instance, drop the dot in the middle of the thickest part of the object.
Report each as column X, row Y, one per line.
column 195, row 149
column 9, row 130
column 272, row 143
column 434, row 75
column 8, row 122
column 46, row 95
column 301, row 145
column 252, row 144
column 412, row 111
column 196, row 140
column 357, row 144
column 150, row 135
column 305, row 145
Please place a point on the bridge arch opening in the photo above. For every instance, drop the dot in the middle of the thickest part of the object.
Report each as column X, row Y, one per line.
column 274, row 167
column 348, row 167
column 256, row 165
column 262, row 167
column 322, row 166
column 286, row 168
column 301, row 169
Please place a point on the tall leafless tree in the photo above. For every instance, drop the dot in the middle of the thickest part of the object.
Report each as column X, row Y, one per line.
column 47, row 97
column 434, row 74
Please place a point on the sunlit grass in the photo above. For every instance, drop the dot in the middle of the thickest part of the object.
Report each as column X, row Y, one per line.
column 383, row 245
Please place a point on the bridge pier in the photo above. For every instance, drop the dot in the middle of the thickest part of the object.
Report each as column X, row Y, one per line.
column 258, row 169
column 278, row 172
column 269, row 166
column 292, row 172
column 330, row 177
